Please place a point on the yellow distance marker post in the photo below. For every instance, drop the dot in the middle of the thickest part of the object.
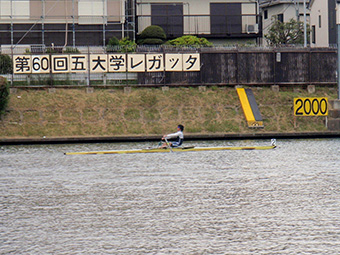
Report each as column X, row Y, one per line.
column 250, row 108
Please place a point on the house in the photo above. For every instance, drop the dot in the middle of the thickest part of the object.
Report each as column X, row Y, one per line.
column 93, row 22
column 62, row 22
column 323, row 22
column 282, row 10
column 227, row 21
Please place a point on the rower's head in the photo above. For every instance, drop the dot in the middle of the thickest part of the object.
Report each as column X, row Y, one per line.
column 180, row 127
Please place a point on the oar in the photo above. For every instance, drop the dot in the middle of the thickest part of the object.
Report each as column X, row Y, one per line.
column 159, row 144
column 167, row 143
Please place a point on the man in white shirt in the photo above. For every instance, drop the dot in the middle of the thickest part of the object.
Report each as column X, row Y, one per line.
column 178, row 135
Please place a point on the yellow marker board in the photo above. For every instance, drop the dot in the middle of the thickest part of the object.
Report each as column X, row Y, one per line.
column 245, row 105
column 250, row 108
column 311, row 106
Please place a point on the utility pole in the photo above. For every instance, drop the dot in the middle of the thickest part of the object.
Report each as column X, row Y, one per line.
column 304, row 23
column 12, row 41
column 43, row 24
column 338, row 26
column 337, row 12
column 297, row 10
column 73, row 27
column 12, row 32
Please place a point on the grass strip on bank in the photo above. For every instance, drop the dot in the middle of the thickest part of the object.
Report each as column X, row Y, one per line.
column 151, row 111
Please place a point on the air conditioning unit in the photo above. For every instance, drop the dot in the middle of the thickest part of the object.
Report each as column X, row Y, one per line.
column 252, row 29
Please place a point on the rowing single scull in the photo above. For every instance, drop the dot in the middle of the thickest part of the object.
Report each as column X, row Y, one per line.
column 180, row 149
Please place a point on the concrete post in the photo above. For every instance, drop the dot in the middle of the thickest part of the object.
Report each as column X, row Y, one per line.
column 276, row 88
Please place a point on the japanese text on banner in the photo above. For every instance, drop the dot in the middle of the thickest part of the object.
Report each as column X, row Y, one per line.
column 106, row 63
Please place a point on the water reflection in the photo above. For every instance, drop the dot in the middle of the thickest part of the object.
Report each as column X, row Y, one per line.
column 282, row 201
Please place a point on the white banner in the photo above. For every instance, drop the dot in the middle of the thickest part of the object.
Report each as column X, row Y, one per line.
column 103, row 63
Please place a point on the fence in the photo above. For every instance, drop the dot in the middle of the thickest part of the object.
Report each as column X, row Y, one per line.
column 255, row 66
column 227, row 66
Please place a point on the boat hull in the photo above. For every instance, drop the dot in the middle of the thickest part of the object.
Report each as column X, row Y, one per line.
column 160, row 150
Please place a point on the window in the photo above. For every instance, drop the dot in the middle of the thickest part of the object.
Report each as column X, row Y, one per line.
column 265, row 14
column 319, row 21
column 169, row 17
column 313, row 34
column 225, row 18
column 280, row 17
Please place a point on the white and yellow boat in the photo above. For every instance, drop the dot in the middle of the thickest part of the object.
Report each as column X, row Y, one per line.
column 180, row 149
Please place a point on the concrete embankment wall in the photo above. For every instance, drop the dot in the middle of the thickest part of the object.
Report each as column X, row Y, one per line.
column 150, row 112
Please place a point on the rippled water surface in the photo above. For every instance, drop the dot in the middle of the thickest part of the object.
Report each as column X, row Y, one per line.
column 281, row 201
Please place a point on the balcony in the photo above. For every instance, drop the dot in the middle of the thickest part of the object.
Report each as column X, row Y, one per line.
column 210, row 26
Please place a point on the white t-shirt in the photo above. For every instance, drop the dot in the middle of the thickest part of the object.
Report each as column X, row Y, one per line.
column 177, row 134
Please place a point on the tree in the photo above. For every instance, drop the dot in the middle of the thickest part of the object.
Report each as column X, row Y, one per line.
column 286, row 33
column 4, row 94
column 189, row 40
column 152, row 35
column 5, row 64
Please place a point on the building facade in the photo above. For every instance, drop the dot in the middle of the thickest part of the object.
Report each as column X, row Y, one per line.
column 323, row 22
column 224, row 21
column 63, row 22
column 282, row 10
column 93, row 22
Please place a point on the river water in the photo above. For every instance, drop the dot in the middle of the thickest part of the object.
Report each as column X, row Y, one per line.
column 281, row 201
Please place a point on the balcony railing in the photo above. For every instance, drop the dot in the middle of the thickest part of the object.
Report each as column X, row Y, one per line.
column 208, row 25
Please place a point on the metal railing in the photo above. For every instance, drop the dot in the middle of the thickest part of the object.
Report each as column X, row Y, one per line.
column 205, row 25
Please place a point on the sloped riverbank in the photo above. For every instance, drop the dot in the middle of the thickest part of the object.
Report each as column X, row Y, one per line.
column 151, row 112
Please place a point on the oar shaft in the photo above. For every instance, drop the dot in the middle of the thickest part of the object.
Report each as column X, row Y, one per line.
column 167, row 143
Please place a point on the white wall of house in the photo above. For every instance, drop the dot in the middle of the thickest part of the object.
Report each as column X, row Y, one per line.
column 196, row 25
column 57, row 11
column 92, row 11
column 319, row 23
column 289, row 12
column 19, row 10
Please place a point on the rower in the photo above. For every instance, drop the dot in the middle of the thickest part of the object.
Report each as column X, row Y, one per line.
column 178, row 135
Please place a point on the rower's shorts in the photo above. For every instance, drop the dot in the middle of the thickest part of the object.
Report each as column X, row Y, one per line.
column 176, row 144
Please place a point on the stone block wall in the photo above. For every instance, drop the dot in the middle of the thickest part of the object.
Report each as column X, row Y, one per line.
column 333, row 123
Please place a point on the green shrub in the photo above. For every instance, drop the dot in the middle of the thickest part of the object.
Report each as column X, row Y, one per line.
column 154, row 35
column 5, row 64
column 152, row 41
column 112, row 45
column 122, row 45
column 113, row 42
column 71, row 50
column 4, row 94
column 127, row 45
column 189, row 40
column 50, row 50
